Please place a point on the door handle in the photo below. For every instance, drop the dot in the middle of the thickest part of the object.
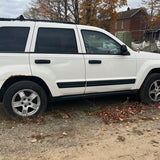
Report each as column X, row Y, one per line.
column 94, row 61
column 42, row 61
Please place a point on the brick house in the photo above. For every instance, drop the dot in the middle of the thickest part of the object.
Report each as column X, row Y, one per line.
column 132, row 20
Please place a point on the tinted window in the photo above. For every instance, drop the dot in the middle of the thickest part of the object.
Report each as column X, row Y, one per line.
column 99, row 43
column 13, row 39
column 53, row 40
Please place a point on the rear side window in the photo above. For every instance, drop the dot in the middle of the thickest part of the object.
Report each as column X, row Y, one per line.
column 13, row 39
column 55, row 40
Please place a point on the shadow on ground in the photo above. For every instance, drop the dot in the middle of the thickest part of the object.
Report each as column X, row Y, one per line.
column 76, row 105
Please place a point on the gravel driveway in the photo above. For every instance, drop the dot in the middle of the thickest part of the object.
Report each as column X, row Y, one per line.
column 71, row 130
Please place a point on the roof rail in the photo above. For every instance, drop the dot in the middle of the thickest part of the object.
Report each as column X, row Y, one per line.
column 21, row 18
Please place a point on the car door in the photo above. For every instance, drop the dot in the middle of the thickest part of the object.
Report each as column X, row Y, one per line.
column 107, row 69
column 56, row 58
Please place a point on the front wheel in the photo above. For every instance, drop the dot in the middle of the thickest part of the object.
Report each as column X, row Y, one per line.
column 150, row 90
column 25, row 99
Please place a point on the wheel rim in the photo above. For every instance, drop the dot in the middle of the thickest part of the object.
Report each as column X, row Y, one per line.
column 26, row 102
column 154, row 91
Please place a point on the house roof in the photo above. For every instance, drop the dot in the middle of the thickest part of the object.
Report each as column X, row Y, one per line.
column 130, row 13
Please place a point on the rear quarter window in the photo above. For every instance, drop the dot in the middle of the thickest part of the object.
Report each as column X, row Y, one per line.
column 13, row 39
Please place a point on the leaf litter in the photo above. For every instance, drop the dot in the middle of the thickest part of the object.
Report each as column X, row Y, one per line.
column 126, row 112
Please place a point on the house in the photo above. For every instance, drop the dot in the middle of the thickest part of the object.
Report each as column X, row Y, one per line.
column 132, row 20
column 153, row 34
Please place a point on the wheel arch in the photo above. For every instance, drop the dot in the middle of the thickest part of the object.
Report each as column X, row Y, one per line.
column 151, row 71
column 13, row 79
column 155, row 70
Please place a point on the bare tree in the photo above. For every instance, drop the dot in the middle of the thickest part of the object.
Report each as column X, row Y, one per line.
column 65, row 10
column 153, row 7
column 48, row 9
column 90, row 12
column 74, row 10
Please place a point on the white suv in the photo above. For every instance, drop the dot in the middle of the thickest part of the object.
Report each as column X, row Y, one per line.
column 48, row 60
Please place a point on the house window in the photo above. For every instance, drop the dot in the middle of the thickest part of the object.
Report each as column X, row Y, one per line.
column 122, row 26
column 116, row 25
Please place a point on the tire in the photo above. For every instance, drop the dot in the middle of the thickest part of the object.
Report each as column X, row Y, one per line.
column 150, row 90
column 24, row 99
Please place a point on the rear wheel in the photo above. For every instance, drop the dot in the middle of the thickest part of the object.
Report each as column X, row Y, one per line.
column 150, row 91
column 25, row 99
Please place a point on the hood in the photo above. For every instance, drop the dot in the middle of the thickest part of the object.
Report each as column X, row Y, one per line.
column 148, row 55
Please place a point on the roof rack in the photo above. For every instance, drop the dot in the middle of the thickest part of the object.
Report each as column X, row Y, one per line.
column 21, row 18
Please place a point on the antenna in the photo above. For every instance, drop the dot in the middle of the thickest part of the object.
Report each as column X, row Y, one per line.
column 21, row 18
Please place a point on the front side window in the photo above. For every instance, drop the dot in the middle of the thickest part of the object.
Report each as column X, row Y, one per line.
column 99, row 43
column 13, row 39
column 55, row 40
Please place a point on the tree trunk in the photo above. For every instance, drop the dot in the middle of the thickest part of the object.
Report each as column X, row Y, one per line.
column 65, row 10
column 88, row 11
column 76, row 12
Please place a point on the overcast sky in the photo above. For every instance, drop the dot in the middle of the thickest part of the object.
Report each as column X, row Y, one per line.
column 133, row 4
column 14, row 8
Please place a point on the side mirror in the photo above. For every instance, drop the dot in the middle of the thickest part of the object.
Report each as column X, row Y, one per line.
column 124, row 50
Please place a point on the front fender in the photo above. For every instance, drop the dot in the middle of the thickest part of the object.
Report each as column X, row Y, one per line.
column 143, row 71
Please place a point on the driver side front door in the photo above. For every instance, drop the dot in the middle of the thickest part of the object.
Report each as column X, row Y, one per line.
column 107, row 70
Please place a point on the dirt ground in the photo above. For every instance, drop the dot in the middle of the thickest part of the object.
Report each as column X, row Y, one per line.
column 71, row 130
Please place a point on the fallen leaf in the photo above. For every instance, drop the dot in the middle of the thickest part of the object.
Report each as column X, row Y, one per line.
column 40, row 141
column 61, row 137
column 120, row 119
column 122, row 112
column 148, row 130
column 121, row 138
column 64, row 134
column 65, row 116
column 41, row 134
column 103, row 129
column 33, row 140
column 152, row 135
column 137, row 131
column 91, row 114
column 153, row 141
